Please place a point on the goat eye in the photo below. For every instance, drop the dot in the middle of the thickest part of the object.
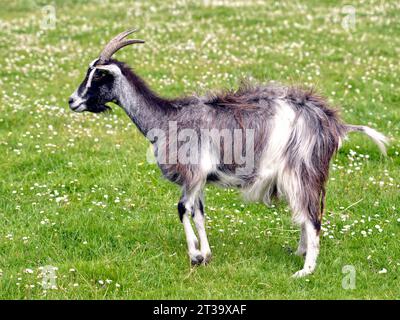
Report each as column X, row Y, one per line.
column 100, row 74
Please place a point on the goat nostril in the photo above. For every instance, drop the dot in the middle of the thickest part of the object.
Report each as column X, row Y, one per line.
column 70, row 100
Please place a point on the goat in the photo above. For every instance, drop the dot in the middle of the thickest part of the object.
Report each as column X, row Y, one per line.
column 292, row 134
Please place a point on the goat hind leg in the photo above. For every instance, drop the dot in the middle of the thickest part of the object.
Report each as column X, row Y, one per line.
column 307, row 206
column 302, row 248
column 312, row 238
column 310, row 231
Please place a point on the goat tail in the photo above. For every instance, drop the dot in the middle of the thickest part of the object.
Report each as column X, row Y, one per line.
column 380, row 140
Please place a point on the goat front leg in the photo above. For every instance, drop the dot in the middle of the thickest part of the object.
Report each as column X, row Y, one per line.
column 199, row 221
column 185, row 208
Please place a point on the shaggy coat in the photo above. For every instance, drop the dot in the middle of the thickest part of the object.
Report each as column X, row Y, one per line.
column 314, row 137
column 289, row 135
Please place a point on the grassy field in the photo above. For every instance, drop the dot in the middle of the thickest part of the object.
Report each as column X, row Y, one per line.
column 76, row 191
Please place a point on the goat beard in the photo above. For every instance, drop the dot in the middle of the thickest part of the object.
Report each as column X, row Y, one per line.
column 104, row 108
column 99, row 109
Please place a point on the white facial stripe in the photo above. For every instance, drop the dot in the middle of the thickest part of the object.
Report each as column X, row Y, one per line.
column 112, row 68
column 78, row 101
column 79, row 104
column 89, row 82
column 93, row 63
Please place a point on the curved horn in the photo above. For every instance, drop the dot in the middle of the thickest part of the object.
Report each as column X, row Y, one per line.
column 117, row 43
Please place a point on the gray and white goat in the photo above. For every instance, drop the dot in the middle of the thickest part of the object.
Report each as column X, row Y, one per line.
column 290, row 136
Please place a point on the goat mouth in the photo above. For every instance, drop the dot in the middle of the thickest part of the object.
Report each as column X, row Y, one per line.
column 79, row 108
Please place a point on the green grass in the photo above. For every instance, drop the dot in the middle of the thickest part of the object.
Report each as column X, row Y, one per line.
column 77, row 193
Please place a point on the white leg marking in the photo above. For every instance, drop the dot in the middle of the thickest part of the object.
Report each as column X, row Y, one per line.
column 312, row 251
column 192, row 242
column 199, row 221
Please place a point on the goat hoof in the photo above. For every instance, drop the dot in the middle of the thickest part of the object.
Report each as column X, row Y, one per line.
column 207, row 258
column 302, row 273
column 197, row 260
